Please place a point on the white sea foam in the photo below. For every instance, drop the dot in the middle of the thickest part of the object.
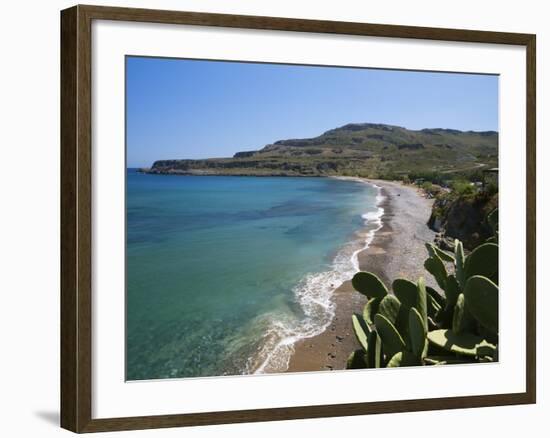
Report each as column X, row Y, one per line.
column 314, row 294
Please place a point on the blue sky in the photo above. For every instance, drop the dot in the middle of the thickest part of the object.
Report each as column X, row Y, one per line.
column 197, row 109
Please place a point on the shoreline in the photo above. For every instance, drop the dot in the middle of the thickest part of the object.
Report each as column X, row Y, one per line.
column 276, row 358
column 396, row 249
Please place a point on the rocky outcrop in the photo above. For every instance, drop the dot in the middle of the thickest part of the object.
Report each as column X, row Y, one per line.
column 463, row 218
column 244, row 154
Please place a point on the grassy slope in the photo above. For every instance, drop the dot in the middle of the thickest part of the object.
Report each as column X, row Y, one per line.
column 370, row 150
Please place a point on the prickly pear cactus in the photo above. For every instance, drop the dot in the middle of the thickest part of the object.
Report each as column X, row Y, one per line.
column 418, row 325
column 481, row 298
column 369, row 285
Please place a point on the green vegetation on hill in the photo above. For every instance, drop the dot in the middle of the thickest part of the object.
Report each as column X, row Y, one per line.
column 366, row 150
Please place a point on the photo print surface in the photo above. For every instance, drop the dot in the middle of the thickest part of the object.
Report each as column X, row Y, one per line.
column 294, row 218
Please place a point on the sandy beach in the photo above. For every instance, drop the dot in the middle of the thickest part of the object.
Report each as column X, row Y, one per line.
column 397, row 250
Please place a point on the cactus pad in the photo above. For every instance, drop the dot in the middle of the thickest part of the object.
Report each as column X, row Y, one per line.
column 361, row 331
column 481, row 296
column 465, row 343
column 369, row 284
column 391, row 339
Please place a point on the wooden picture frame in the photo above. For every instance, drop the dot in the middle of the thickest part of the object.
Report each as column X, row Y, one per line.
column 76, row 218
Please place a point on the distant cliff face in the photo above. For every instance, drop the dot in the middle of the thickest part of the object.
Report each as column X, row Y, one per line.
column 365, row 149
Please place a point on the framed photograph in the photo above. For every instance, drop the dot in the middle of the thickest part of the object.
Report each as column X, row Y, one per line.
column 269, row 218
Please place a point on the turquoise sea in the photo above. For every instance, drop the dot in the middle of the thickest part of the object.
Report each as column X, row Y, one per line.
column 224, row 274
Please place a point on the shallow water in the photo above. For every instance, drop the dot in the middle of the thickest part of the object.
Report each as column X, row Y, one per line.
column 224, row 274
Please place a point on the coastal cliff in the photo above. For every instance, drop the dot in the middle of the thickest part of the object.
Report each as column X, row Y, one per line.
column 463, row 217
column 358, row 149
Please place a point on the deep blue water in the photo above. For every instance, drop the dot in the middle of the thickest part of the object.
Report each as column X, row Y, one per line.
column 225, row 273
